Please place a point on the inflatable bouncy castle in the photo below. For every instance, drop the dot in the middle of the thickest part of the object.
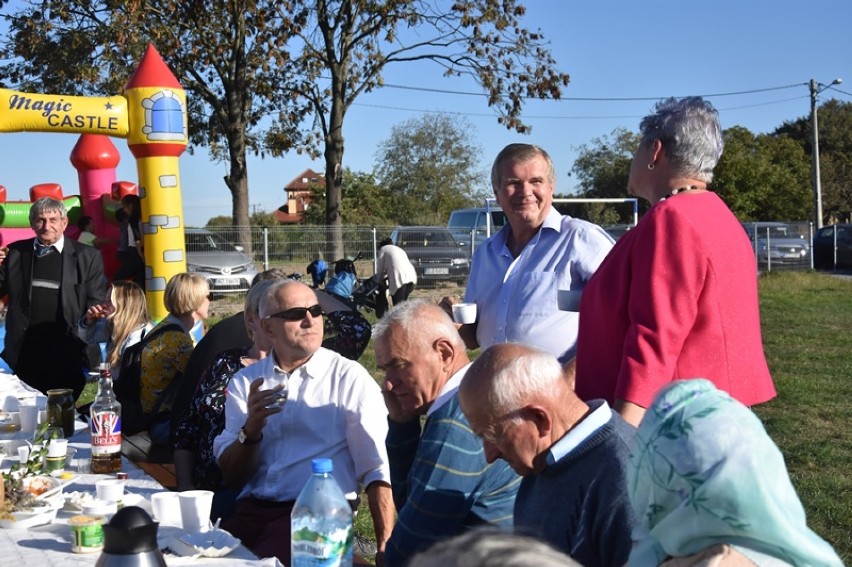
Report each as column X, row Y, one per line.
column 152, row 117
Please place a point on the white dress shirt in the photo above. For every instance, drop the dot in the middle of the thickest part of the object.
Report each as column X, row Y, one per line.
column 516, row 297
column 334, row 410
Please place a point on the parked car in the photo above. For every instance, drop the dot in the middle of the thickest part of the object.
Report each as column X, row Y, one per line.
column 475, row 221
column 777, row 244
column 434, row 252
column 225, row 267
column 824, row 242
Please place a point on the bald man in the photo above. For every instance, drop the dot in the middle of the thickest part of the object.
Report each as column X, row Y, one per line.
column 573, row 455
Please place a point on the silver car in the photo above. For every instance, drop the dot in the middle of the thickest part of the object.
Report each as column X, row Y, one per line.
column 777, row 244
column 225, row 267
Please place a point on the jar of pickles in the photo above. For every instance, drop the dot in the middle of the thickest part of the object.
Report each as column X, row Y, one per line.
column 60, row 410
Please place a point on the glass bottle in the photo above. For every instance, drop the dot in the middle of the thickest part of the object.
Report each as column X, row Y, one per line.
column 321, row 522
column 105, row 425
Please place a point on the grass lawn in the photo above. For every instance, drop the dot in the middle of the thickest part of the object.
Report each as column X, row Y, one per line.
column 806, row 336
column 806, row 319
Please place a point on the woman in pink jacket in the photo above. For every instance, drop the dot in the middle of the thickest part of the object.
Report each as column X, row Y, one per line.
column 677, row 296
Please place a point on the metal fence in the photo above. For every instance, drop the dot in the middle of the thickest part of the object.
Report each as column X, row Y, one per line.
column 292, row 248
column 781, row 245
column 776, row 245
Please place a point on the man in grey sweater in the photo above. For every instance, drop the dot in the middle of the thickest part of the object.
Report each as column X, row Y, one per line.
column 573, row 455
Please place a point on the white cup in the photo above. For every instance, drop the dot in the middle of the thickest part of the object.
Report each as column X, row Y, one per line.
column 57, row 448
column 23, row 453
column 110, row 489
column 29, row 418
column 166, row 508
column 569, row 299
column 195, row 510
column 464, row 313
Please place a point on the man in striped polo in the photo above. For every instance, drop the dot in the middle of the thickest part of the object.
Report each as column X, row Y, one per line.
column 441, row 482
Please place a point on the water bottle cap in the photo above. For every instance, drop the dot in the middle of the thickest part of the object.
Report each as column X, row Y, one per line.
column 321, row 466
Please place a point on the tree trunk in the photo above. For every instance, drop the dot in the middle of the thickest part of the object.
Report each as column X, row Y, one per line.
column 237, row 182
column 334, row 179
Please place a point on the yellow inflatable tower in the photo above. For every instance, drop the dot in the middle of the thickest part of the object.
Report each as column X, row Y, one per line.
column 157, row 136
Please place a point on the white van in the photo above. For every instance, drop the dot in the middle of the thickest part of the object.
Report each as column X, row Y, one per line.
column 463, row 222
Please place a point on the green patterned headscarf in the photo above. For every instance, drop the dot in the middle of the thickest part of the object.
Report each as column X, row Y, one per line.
column 704, row 472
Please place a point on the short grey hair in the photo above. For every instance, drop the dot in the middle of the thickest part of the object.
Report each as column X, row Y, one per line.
column 534, row 372
column 269, row 301
column 493, row 548
column 47, row 205
column 690, row 133
column 520, row 153
column 408, row 316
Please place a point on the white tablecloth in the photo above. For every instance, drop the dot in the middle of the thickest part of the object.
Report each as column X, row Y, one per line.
column 51, row 544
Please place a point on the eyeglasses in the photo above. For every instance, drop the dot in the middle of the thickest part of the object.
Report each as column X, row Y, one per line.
column 297, row 313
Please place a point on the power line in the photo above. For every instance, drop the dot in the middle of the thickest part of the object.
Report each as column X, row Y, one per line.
column 595, row 99
column 561, row 117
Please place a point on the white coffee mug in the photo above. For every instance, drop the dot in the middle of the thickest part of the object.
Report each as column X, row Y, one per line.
column 195, row 508
column 464, row 313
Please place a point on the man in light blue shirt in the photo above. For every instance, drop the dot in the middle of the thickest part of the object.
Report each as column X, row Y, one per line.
column 516, row 273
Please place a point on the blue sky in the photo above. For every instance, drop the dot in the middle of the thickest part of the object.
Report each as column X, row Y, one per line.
column 611, row 49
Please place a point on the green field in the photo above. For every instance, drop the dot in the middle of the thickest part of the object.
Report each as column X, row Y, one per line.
column 806, row 319
column 806, row 328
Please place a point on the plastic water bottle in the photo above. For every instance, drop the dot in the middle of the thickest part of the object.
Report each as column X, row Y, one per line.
column 321, row 522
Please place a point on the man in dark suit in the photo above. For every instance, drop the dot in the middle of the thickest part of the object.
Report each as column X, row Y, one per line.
column 51, row 281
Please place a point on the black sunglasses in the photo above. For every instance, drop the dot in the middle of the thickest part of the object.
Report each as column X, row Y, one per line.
column 297, row 313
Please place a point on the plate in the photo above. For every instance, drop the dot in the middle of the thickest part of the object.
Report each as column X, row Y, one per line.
column 34, row 517
column 213, row 543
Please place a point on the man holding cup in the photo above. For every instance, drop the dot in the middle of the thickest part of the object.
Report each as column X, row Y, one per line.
column 515, row 274
column 333, row 408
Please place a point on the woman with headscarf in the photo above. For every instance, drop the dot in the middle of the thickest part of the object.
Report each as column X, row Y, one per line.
column 677, row 295
column 709, row 487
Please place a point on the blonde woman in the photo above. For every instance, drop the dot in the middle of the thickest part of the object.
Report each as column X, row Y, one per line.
column 121, row 321
column 164, row 357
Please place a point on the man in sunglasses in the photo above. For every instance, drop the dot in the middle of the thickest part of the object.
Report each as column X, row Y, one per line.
column 301, row 402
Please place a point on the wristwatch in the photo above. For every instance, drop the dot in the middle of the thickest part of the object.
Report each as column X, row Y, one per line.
column 244, row 439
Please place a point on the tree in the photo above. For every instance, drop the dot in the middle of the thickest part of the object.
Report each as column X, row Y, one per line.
column 229, row 56
column 835, row 153
column 347, row 44
column 602, row 168
column 430, row 166
column 364, row 203
column 763, row 177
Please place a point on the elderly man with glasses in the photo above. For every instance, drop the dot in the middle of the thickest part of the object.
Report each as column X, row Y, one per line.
column 300, row 403
column 573, row 455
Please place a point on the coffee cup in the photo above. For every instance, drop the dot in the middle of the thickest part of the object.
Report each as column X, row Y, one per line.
column 110, row 489
column 195, row 508
column 166, row 508
column 569, row 299
column 464, row 313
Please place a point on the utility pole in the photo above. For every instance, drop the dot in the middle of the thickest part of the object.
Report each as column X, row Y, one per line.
column 816, row 89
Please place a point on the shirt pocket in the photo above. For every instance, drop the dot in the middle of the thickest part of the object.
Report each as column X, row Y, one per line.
column 537, row 293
